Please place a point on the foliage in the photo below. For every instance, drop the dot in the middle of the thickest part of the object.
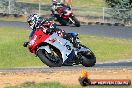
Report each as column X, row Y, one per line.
column 121, row 4
column 121, row 10
column 3, row 5
column 10, row 7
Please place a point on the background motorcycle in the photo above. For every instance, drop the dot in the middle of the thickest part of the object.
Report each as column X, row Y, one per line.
column 55, row 51
column 65, row 15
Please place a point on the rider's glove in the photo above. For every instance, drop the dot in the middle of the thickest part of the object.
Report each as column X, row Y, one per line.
column 25, row 44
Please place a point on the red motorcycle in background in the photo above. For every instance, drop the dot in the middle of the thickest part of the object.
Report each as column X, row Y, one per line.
column 65, row 15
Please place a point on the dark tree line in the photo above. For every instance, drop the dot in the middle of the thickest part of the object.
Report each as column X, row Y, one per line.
column 121, row 9
column 119, row 3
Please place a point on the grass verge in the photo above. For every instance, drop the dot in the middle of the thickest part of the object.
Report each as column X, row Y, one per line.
column 108, row 49
column 79, row 3
column 13, row 54
column 10, row 18
column 39, row 85
column 58, row 85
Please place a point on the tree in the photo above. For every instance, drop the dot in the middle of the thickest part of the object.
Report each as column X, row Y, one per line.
column 119, row 4
column 130, row 1
column 121, row 9
column 10, row 7
column 3, row 6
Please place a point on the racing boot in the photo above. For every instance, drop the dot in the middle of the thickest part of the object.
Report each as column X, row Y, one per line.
column 67, row 36
column 72, row 39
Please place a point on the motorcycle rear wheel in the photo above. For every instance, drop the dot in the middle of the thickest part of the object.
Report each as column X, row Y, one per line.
column 62, row 22
column 49, row 59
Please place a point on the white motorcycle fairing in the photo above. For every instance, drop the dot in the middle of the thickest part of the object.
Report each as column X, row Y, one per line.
column 64, row 46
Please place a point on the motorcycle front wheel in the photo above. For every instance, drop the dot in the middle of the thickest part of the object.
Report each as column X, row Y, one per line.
column 50, row 59
column 75, row 21
column 88, row 58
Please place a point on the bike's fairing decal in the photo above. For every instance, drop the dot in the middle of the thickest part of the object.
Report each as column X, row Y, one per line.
column 63, row 45
column 70, row 58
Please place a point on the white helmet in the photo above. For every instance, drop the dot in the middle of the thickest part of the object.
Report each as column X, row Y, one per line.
column 32, row 20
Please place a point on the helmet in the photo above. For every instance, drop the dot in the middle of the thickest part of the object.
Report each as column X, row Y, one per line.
column 32, row 20
column 54, row 1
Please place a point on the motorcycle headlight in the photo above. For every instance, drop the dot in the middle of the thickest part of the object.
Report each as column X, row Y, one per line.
column 32, row 41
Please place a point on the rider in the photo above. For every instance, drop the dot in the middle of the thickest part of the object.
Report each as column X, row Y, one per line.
column 36, row 22
column 59, row 3
column 68, row 2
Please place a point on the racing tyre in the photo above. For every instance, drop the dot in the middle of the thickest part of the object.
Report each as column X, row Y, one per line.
column 62, row 22
column 75, row 21
column 50, row 59
column 88, row 58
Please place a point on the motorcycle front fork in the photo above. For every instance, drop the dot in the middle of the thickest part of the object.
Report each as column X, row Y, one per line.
column 71, row 21
column 78, row 59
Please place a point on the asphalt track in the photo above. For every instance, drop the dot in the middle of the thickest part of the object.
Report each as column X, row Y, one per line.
column 95, row 30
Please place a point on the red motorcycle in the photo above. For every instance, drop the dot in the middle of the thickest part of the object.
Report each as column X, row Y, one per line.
column 56, row 51
column 65, row 15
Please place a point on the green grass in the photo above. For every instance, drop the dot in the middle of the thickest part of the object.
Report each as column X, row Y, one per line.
column 13, row 54
column 88, row 3
column 79, row 3
column 39, row 85
column 20, row 19
column 108, row 49
column 81, row 7
column 58, row 85
column 88, row 7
